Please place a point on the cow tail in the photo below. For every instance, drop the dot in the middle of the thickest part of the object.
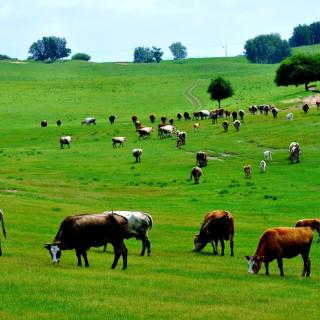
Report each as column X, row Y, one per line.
column 2, row 223
column 150, row 220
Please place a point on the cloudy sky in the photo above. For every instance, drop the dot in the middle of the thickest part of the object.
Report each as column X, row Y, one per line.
column 109, row 30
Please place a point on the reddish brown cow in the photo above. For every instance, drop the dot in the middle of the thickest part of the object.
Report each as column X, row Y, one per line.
column 279, row 243
column 217, row 226
column 314, row 224
column 152, row 117
column 196, row 173
column 134, row 118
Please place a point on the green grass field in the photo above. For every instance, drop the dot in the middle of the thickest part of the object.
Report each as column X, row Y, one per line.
column 41, row 184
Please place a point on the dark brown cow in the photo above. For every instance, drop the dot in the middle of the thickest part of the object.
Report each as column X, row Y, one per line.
column 3, row 229
column 225, row 125
column 134, row 118
column 253, row 109
column 247, row 171
column 305, row 108
column 196, row 173
column 227, row 113
column 186, row 116
column 44, row 123
column 318, row 105
column 112, row 119
column 152, row 117
column 59, row 123
column 279, row 243
column 196, row 115
column 314, row 224
column 179, row 116
column 171, row 121
column 241, row 114
column 201, row 158
column 82, row 232
column 234, row 115
column 217, row 226
column 274, row 111
column 163, row 119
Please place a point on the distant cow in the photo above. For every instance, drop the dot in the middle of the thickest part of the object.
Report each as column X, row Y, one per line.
column 237, row 125
column 179, row 116
column 186, row 116
column 65, row 140
column 196, row 115
column 201, row 159
column 274, row 111
column 318, row 105
column 267, row 155
column 44, row 123
column 134, row 118
column 305, row 108
column 145, row 132
column 196, row 126
column 88, row 121
column 289, row 116
column 279, row 243
column 137, row 152
column 152, row 117
column 181, row 138
column 253, row 109
column 196, row 173
column 204, row 114
column 171, row 121
column 247, row 171
column 82, row 232
column 314, row 224
column 263, row 166
column 217, row 226
column 3, row 229
column 138, row 225
column 163, row 119
column 165, row 131
column 234, row 115
column 118, row 140
column 214, row 117
column 241, row 114
column 112, row 119
column 225, row 125
column 266, row 109
column 294, row 152
column 59, row 123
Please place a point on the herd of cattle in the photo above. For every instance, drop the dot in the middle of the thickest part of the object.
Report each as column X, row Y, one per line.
column 81, row 232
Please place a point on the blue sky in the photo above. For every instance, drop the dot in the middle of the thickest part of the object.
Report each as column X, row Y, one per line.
column 109, row 30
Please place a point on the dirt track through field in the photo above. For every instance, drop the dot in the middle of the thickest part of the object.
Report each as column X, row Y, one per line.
column 189, row 94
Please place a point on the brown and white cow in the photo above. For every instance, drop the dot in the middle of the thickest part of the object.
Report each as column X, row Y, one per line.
column 3, row 229
column 279, row 243
column 82, row 232
column 201, row 159
column 217, row 226
column 314, row 224
column 196, row 173
column 247, row 171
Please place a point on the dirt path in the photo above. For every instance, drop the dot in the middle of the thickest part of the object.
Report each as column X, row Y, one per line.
column 189, row 95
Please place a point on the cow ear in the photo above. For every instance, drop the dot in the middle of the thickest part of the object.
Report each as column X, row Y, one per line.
column 247, row 257
column 47, row 245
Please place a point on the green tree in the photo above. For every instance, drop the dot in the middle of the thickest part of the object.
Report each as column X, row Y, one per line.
column 178, row 50
column 157, row 54
column 302, row 36
column 298, row 69
column 267, row 49
column 142, row 55
column 220, row 89
column 49, row 49
column 315, row 29
column 81, row 56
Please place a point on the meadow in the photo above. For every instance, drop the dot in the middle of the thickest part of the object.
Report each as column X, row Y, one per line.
column 41, row 184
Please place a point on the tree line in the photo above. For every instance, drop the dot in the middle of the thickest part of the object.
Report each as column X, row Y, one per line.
column 304, row 35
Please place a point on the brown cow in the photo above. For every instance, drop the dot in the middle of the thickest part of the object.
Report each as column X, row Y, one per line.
column 217, row 226
column 134, row 118
column 152, row 117
column 196, row 173
column 44, row 123
column 279, row 243
column 305, row 108
column 81, row 232
column 247, row 171
column 314, row 224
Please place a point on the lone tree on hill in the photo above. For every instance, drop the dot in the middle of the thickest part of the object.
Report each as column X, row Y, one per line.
column 267, row 49
column 49, row 49
column 178, row 50
column 157, row 54
column 220, row 89
column 299, row 69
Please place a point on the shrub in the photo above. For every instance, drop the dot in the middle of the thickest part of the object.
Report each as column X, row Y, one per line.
column 81, row 56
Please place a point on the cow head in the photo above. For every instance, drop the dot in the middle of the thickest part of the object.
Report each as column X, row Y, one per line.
column 254, row 263
column 55, row 251
column 200, row 241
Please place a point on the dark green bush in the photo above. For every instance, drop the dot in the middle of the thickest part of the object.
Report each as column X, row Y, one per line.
column 81, row 56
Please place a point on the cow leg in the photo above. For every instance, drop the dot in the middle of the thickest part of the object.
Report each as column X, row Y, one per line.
column 266, row 263
column 280, row 265
column 222, row 246
column 306, row 265
column 215, row 246
column 0, row 249
column 84, row 254
column 124, row 256
column 231, row 245
column 145, row 244
column 117, row 253
column 78, row 253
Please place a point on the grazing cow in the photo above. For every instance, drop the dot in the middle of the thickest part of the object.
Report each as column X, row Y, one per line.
column 261, row 109
column 134, row 118
column 241, row 114
column 152, row 117
column 171, row 121
column 266, row 109
column 118, row 140
column 112, row 119
column 65, row 140
column 227, row 113
column 294, row 152
column 247, row 171
column 263, row 166
column 274, row 111
column 305, row 108
column 267, row 155
column 88, row 121
column 214, row 116
column 165, row 131
column 59, row 123
column 179, row 116
column 217, row 226
column 181, row 138
column 234, row 115
column 201, row 159
column 289, row 116
column 138, row 225
column 137, row 154
column 204, row 114
column 314, row 224
column 82, row 232
column 163, row 119
column 137, row 125
column 196, row 173
column 196, row 115
column 44, row 123
column 186, row 116
column 318, row 105
column 225, row 125
column 3, row 229
column 237, row 125
column 145, row 132
column 279, row 243
column 196, row 126
column 253, row 109
column 220, row 112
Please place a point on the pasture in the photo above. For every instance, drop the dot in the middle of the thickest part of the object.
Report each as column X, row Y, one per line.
column 41, row 184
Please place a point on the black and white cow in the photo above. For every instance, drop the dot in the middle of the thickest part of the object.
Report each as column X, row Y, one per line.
column 65, row 140
column 88, row 121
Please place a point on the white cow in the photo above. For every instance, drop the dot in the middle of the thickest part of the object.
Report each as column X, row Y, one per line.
column 118, row 140
column 267, row 155
column 263, row 166
column 289, row 116
column 138, row 225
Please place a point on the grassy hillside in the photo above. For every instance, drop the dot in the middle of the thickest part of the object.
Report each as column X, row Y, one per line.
column 41, row 184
